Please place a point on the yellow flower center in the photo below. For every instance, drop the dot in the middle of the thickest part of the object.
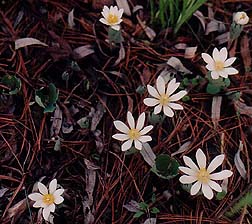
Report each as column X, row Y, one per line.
column 48, row 199
column 203, row 175
column 243, row 16
column 164, row 99
column 112, row 18
column 134, row 134
column 219, row 65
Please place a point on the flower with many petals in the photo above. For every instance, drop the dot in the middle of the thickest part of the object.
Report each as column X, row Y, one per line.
column 163, row 98
column 47, row 199
column 133, row 133
column 219, row 65
column 112, row 17
column 204, row 178
column 241, row 18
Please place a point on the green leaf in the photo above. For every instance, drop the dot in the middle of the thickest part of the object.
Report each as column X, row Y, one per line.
column 144, row 206
column 213, row 89
column 84, row 122
column 141, row 89
column 115, row 36
column 138, row 214
column 155, row 210
column 156, row 118
column 221, row 195
column 165, row 167
column 12, row 82
column 227, row 82
column 153, row 198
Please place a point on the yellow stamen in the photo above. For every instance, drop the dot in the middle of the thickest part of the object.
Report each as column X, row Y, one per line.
column 203, row 175
column 164, row 99
column 48, row 199
column 243, row 16
column 134, row 134
column 219, row 65
column 112, row 18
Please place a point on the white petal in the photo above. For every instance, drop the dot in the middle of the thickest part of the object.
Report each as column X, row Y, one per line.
column 229, row 61
column 215, row 75
column 58, row 200
column 140, row 121
column 188, row 161
column 58, row 192
column 221, row 175
column 52, row 186
column 201, row 158
column 231, row 71
column 120, row 137
column 126, row 145
column 160, row 85
column 35, row 196
column 120, row 13
column 207, row 58
column 223, row 73
column 215, row 186
column 188, row 171
column 38, row 204
column 116, row 27
column 151, row 102
column 52, row 207
column 178, row 95
column 216, row 54
column 146, row 129
column 42, row 188
column 187, row 179
column 104, row 21
column 105, row 9
column 121, row 127
column 172, row 86
column 131, row 120
column 152, row 91
column 157, row 109
column 145, row 138
column 168, row 111
column 138, row 145
column 207, row 191
column 105, row 16
column 195, row 188
column 46, row 212
column 175, row 106
column 217, row 161
column 210, row 67
column 223, row 54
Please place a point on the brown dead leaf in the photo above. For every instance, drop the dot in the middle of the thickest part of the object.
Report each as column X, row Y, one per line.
column 23, row 42
column 216, row 110
column 123, row 4
column 242, row 108
column 245, row 53
column 17, row 210
column 83, row 51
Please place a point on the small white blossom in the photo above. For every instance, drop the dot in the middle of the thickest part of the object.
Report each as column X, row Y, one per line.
column 47, row 199
column 163, row 98
column 133, row 133
column 219, row 65
column 112, row 17
column 241, row 18
column 204, row 178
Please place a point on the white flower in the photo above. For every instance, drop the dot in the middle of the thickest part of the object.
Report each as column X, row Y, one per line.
column 163, row 99
column 205, row 179
column 241, row 18
column 133, row 133
column 219, row 65
column 47, row 200
column 112, row 16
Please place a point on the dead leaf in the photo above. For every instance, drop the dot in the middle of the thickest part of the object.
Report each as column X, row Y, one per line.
column 70, row 19
column 223, row 38
column 82, row 52
column 180, row 46
column 136, row 8
column 151, row 221
column 148, row 154
column 97, row 116
column 3, row 191
column 216, row 110
column 198, row 14
column 132, row 206
column 238, row 162
column 17, row 209
column 182, row 148
column 177, row 65
column 121, row 55
column 190, row 52
column 23, row 42
column 245, row 53
column 123, row 4
column 242, row 108
column 148, row 31
column 56, row 122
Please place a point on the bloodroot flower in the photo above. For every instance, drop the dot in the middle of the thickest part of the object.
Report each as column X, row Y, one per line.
column 112, row 17
column 47, row 200
column 204, row 178
column 241, row 18
column 163, row 98
column 219, row 65
column 133, row 133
